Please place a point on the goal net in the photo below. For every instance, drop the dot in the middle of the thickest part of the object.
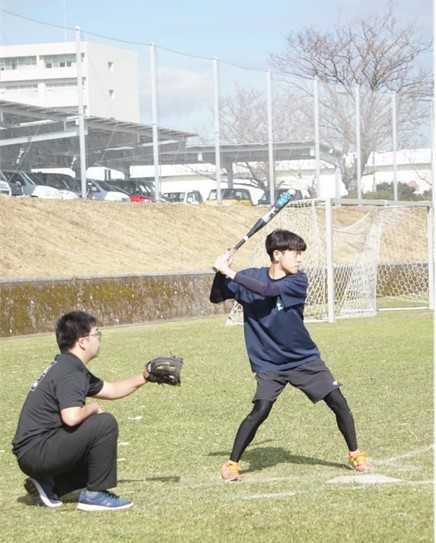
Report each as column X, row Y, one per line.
column 379, row 257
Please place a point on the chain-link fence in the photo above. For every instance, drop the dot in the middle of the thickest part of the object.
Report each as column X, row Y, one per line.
column 160, row 121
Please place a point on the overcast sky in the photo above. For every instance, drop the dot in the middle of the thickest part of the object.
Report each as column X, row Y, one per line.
column 238, row 31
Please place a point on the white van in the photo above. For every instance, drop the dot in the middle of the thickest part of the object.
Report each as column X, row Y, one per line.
column 188, row 197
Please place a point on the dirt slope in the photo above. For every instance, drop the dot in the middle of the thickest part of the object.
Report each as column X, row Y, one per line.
column 63, row 239
column 42, row 238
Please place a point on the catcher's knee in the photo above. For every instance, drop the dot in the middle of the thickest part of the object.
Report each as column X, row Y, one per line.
column 261, row 410
column 105, row 424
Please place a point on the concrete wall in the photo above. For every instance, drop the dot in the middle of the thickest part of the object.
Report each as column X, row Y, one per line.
column 28, row 307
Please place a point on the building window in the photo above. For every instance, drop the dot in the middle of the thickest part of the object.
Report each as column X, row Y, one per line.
column 65, row 83
column 19, row 89
column 59, row 61
column 17, row 63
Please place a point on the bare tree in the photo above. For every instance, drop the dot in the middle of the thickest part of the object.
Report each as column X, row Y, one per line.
column 243, row 116
column 382, row 57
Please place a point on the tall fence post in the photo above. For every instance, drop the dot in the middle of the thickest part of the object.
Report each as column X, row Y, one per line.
column 271, row 164
column 329, row 261
column 216, row 108
column 316, row 129
column 433, row 201
column 358, row 146
column 155, row 120
column 394, row 145
column 430, row 258
column 80, row 114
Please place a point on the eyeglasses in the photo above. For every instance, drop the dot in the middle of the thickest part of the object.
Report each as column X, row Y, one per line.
column 98, row 334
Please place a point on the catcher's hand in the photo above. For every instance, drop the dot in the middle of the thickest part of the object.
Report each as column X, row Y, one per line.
column 164, row 370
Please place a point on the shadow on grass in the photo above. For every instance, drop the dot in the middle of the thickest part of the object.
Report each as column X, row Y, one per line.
column 72, row 497
column 265, row 457
column 27, row 500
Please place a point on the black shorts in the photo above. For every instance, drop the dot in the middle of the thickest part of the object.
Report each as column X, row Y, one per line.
column 313, row 378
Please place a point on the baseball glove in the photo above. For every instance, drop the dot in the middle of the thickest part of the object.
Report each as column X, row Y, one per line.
column 165, row 370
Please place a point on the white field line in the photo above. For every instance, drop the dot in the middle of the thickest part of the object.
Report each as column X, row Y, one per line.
column 363, row 479
column 272, row 496
column 395, row 459
column 253, row 480
column 249, row 479
column 341, row 487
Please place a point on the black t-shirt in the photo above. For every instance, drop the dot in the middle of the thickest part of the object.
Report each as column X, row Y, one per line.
column 65, row 383
column 275, row 336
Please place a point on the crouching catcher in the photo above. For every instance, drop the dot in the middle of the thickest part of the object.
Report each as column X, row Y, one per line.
column 62, row 443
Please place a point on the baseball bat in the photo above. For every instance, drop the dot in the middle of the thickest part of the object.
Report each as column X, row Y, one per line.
column 279, row 204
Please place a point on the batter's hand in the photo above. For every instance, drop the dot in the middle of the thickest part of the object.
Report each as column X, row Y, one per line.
column 223, row 263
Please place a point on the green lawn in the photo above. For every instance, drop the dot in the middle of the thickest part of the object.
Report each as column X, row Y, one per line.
column 174, row 440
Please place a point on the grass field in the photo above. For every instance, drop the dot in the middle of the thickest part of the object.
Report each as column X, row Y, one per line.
column 173, row 441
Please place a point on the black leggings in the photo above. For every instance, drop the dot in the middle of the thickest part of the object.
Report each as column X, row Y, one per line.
column 248, row 428
column 344, row 417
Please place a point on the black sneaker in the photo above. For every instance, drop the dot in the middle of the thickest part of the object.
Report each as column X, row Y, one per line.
column 43, row 490
column 102, row 501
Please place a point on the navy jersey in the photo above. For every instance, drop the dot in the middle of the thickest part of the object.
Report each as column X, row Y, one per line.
column 275, row 336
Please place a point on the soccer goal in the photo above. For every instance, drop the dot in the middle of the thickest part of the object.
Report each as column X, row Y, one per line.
column 361, row 257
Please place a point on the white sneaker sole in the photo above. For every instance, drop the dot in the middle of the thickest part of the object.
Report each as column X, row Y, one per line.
column 35, row 489
column 90, row 507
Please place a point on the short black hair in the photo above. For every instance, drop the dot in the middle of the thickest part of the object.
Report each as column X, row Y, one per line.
column 72, row 326
column 281, row 240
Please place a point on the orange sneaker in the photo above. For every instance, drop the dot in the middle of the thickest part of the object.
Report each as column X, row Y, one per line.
column 358, row 461
column 231, row 471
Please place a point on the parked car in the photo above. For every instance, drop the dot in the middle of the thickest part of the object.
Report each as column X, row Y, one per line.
column 135, row 193
column 231, row 197
column 5, row 188
column 265, row 199
column 190, row 197
column 23, row 185
column 55, row 180
column 138, row 190
column 101, row 190
column 73, row 184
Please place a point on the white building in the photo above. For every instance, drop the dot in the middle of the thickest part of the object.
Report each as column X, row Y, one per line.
column 413, row 167
column 45, row 75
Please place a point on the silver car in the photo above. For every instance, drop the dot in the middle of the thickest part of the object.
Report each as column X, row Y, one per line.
column 23, row 185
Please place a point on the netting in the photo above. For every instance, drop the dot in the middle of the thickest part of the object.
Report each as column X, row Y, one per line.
column 380, row 258
column 403, row 271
